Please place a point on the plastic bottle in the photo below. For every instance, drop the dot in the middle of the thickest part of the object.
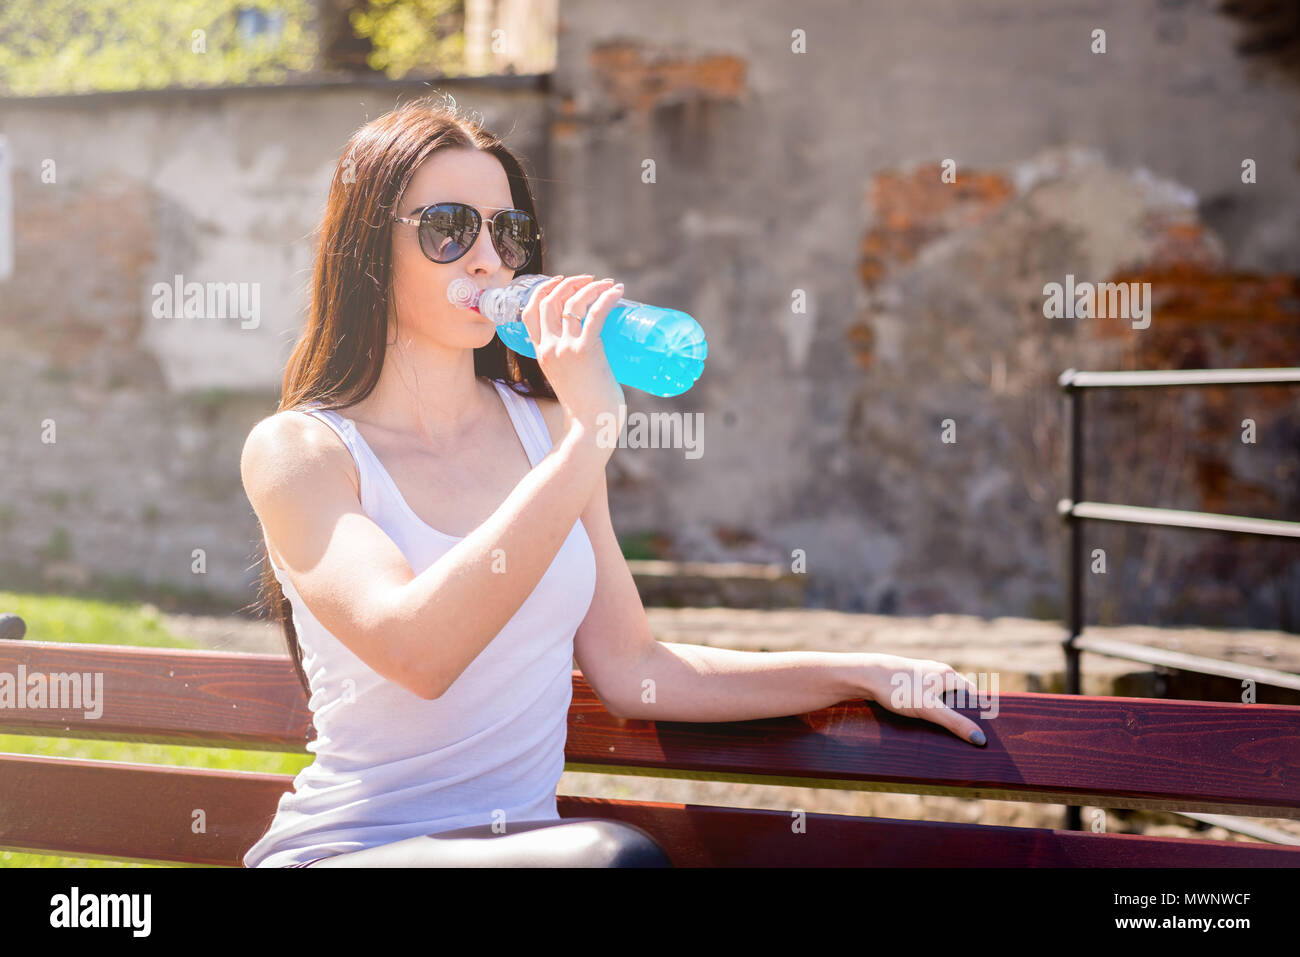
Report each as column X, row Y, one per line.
column 656, row 350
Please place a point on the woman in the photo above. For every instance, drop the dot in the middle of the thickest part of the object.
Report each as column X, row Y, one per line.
column 434, row 579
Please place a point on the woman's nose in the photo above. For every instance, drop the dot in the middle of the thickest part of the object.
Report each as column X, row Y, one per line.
column 484, row 251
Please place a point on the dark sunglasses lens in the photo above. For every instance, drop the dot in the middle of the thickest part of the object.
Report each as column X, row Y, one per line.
column 447, row 231
column 516, row 238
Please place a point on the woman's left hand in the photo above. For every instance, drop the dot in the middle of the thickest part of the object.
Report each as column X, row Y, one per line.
column 914, row 687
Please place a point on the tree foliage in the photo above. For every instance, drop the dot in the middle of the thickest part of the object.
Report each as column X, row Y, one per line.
column 413, row 36
column 74, row 46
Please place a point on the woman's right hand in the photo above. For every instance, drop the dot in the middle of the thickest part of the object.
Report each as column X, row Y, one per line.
column 572, row 355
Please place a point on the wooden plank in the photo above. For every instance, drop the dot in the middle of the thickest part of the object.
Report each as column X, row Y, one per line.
column 695, row 835
column 140, row 812
column 168, row 696
column 1218, row 758
column 1063, row 749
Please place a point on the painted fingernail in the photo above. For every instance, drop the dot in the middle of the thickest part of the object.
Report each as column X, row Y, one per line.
column 977, row 737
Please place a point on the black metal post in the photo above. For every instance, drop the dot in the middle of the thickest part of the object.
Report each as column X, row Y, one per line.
column 1074, row 545
column 1074, row 566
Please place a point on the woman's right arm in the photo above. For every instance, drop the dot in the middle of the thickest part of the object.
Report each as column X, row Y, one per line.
column 420, row 631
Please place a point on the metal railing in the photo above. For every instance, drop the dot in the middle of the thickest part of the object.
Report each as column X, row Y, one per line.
column 1075, row 510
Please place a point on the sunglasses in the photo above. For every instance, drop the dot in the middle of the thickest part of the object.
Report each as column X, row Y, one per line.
column 448, row 231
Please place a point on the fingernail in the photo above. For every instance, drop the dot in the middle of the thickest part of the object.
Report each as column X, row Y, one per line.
column 977, row 737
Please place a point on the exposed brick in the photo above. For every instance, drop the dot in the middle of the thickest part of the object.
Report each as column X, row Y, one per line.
column 565, row 129
column 1179, row 242
column 862, row 342
column 1204, row 318
column 732, row 537
column 913, row 209
column 565, row 122
column 633, row 81
column 102, row 243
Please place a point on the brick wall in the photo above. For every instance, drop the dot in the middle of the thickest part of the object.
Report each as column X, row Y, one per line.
column 815, row 176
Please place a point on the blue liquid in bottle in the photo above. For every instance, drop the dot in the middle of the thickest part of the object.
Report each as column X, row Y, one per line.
column 656, row 350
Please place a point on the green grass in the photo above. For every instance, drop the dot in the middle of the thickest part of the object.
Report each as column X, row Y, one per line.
column 90, row 620
column 95, row 621
column 638, row 546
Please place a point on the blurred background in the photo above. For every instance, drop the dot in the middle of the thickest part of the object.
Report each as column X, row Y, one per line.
column 861, row 203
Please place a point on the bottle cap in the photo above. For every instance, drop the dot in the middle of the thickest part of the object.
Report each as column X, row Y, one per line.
column 462, row 292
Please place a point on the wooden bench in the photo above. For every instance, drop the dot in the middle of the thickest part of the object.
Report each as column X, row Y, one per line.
column 1103, row 752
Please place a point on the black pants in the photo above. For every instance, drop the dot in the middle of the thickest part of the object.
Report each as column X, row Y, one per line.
column 572, row 842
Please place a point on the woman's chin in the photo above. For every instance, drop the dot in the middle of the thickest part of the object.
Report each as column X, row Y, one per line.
column 473, row 317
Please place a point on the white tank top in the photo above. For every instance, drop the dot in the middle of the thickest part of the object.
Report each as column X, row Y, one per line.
column 391, row 765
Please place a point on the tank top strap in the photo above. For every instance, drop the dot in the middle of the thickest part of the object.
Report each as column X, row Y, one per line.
column 368, row 467
column 343, row 426
column 528, row 420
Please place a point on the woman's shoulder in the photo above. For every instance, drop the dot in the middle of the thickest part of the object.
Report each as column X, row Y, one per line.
column 288, row 446
column 294, row 429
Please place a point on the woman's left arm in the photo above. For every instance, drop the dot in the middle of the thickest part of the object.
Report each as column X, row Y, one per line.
column 679, row 682
column 637, row 676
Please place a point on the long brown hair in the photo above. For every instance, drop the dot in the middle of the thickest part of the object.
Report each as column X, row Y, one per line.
column 338, row 357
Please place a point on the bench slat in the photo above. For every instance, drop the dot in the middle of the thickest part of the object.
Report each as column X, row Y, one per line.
column 145, row 813
column 168, row 696
column 1111, row 752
